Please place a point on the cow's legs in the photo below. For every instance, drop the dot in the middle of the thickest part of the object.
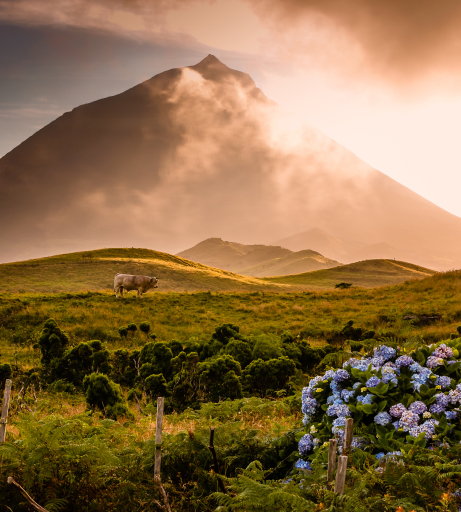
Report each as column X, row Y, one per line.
column 121, row 292
column 139, row 295
column 116, row 290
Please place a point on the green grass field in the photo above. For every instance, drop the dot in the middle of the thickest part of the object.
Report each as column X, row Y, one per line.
column 95, row 270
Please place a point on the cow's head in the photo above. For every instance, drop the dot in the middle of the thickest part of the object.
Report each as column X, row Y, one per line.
column 153, row 282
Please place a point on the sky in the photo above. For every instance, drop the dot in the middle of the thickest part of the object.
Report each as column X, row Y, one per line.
column 382, row 78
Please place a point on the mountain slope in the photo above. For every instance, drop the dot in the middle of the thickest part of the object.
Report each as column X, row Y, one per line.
column 293, row 263
column 196, row 151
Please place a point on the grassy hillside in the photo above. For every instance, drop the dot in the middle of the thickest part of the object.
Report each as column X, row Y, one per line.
column 95, row 270
column 368, row 273
column 293, row 263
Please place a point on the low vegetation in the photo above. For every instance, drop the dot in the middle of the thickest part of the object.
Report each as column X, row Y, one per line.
column 87, row 369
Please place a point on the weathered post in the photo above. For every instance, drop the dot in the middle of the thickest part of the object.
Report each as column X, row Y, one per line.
column 348, row 435
column 341, row 475
column 5, row 407
column 158, row 436
column 158, row 452
column 331, row 460
column 28, row 498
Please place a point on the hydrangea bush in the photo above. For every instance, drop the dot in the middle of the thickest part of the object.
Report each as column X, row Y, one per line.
column 395, row 399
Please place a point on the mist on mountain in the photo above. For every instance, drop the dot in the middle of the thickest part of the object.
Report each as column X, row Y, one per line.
column 198, row 152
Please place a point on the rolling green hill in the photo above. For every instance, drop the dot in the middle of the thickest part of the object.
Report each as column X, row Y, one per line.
column 95, row 270
column 368, row 273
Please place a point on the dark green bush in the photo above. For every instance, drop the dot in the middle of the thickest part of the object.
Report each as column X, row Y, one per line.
column 123, row 331
column 52, row 341
column 156, row 385
column 260, row 376
column 145, row 328
column 104, row 394
column 240, row 351
column 225, row 332
column 6, row 372
column 218, row 378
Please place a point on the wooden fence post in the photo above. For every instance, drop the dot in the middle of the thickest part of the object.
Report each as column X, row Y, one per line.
column 5, row 406
column 348, row 431
column 331, row 460
column 341, row 475
column 158, row 453
column 158, row 436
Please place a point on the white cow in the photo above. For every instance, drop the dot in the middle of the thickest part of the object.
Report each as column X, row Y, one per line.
column 128, row 282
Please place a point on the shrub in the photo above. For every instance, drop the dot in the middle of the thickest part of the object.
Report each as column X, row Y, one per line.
column 5, row 373
column 356, row 346
column 343, row 286
column 104, row 394
column 225, row 332
column 240, row 351
column 132, row 328
column 145, row 328
column 156, row 386
column 123, row 331
column 260, row 376
column 52, row 341
column 218, row 378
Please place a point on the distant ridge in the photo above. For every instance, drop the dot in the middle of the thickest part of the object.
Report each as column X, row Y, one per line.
column 255, row 260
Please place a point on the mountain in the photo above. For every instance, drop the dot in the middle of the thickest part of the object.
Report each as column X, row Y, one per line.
column 293, row 263
column 255, row 260
column 218, row 253
column 196, row 151
column 319, row 240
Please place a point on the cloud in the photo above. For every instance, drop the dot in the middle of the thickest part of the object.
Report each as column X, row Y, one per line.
column 398, row 41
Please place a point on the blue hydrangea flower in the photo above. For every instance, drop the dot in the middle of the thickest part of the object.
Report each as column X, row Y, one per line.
column 358, row 442
column 356, row 385
column 367, row 399
column 309, row 406
column 417, row 407
column 329, row 374
column 454, row 395
column 380, row 455
column 305, row 444
column 389, row 377
column 338, row 410
column 372, row 382
column 346, row 395
column 383, row 418
column 303, row 464
column 396, row 425
column 403, row 361
column 397, row 410
column 385, row 352
column 416, row 367
column 451, row 415
column 339, row 422
column 341, row 375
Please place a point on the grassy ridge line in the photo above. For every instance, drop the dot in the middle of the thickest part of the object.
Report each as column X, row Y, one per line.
column 94, row 270
column 78, row 272
column 368, row 273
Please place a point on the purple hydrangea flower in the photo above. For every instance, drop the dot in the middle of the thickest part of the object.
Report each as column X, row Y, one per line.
column 305, row 444
column 372, row 382
column 443, row 352
column 436, row 408
column 408, row 420
column 397, row 410
column 454, row 395
column 433, row 361
column 443, row 381
column 417, row 407
column 341, row 375
column 383, row 418
column 404, row 361
column 442, row 399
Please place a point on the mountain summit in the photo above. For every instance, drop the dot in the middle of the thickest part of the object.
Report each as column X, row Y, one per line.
column 196, row 151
